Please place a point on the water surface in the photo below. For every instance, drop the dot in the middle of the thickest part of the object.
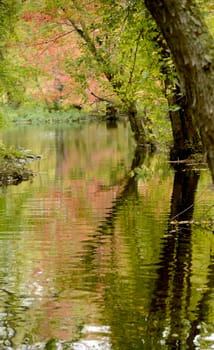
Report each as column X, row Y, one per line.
column 91, row 258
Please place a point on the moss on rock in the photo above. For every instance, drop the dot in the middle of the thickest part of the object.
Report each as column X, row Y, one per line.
column 13, row 166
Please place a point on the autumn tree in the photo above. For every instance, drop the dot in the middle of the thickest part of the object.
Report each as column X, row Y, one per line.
column 192, row 48
column 120, row 47
column 113, row 50
column 103, row 37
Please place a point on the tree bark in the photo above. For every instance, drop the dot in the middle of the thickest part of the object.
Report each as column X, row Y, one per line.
column 185, row 134
column 192, row 48
column 136, row 124
column 186, row 139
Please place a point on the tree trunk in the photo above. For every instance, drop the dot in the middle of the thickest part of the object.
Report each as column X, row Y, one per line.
column 186, row 139
column 142, row 134
column 192, row 48
column 185, row 134
column 136, row 125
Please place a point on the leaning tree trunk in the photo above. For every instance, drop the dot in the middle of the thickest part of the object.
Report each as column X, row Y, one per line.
column 185, row 134
column 137, row 127
column 186, row 139
column 192, row 48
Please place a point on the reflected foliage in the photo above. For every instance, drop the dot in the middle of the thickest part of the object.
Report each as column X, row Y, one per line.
column 101, row 249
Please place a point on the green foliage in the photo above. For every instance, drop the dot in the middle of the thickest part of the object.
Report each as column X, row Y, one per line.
column 117, row 44
column 8, row 17
column 40, row 114
column 115, row 50
column 10, row 153
column 11, row 71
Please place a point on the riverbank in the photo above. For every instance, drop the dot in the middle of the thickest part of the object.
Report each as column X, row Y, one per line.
column 14, row 165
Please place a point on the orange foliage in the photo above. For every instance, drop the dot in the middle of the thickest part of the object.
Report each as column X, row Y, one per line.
column 49, row 52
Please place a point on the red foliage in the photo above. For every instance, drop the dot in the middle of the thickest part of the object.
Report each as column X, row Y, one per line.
column 37, row 16
column 49, row 51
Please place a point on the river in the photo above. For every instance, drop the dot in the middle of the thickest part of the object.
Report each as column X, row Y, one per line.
column 107, row 248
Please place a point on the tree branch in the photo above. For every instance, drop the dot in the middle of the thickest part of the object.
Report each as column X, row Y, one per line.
column 135, row 58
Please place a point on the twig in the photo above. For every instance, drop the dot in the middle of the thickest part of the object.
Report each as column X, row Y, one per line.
column 54, row 39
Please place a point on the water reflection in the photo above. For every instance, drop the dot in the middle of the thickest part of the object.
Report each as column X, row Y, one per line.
column 167, row 323
column 200, row 333
column 120, row 292
column 105, row 232
column 172, row 291
column 60, row 151
column 100, row 251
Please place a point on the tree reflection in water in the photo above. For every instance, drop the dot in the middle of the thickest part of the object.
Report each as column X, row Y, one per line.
column 171, row 297
column 168, row 322
column 107, row 227
column 170, row 306
column 143, row 293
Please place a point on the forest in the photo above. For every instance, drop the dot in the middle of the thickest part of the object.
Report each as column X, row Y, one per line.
column 106, row 175
column 111, row 59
